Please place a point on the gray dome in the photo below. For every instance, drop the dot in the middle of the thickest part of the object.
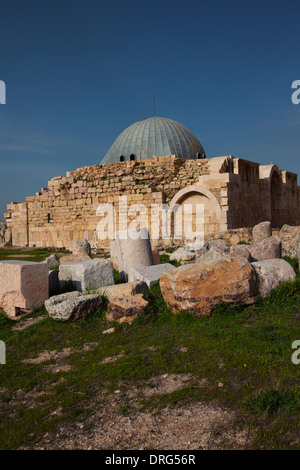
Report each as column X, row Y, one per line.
column 154, row 137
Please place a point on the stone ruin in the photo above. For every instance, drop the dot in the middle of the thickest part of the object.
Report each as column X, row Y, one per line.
column 236, row 195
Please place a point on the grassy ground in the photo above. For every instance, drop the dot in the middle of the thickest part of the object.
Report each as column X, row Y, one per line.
column 27, row 254
column 243, row 354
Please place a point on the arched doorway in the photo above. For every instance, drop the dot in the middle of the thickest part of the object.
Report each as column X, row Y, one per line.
column 197, row 204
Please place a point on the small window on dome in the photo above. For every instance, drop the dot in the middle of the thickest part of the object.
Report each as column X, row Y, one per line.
column 122, row 158
column 132, row 157
column 200, row 155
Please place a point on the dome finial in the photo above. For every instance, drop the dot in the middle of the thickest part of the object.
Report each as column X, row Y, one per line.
column 154, row 105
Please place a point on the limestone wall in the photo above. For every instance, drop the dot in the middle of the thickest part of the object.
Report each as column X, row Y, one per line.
column 235, row 193
column 67, row 209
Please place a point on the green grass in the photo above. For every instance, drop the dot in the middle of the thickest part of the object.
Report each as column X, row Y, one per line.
column 36, row 255
column 247, row 349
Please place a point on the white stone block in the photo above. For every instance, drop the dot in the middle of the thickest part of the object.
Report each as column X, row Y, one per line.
column 88, row 275
column 149, row 274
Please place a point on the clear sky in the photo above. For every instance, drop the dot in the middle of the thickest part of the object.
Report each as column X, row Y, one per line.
column 77, row 73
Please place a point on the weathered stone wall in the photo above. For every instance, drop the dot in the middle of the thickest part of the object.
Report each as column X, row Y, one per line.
column 235, row 193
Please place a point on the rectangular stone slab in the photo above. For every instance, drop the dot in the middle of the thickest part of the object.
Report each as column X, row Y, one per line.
column 88, row 275
column 149, row 274
column 24, row 286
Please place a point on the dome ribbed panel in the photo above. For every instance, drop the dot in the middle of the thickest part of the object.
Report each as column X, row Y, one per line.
column 154, row 137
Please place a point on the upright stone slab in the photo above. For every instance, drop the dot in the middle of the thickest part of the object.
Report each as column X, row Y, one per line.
column 88, row 275
column 24, row 286
column 133, row 252
column 149, row 274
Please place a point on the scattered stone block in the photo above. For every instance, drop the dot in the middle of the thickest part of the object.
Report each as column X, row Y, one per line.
column 269, row 248
column 125, row 309
column 149, row 274
column 241, row 250
column 81, row 246
column 287, row 236
column 271, row 273
column 261, row 231
column 24, row 286
column 52, row 261
column 182, row 255
column 199, row 288
column 72, row 306
column 123, row 290
column 68, row 259
column 88, row 275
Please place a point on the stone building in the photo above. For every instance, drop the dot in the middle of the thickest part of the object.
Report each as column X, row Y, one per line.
column 155, row 161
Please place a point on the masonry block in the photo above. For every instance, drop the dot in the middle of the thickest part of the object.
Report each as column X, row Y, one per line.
column 88, row 275
column 149, row 274
column 24, row 286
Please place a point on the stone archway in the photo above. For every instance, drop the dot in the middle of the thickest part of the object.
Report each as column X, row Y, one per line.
column 198, row 195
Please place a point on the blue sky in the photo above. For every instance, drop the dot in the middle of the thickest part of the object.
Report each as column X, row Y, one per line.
column 78, row 73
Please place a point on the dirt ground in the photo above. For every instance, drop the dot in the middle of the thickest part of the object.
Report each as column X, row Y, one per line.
column 195, row 426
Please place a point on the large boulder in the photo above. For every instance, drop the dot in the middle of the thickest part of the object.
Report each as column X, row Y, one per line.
column 81, row 246
column 88, row 275
column 199, row 288
column 287, row 235
column 72, row 306
column 269, row 248
column 271, row 273
column 261, row 231
column 182, row 255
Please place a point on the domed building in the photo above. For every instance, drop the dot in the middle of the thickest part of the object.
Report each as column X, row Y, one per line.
column 154, row 137
column 156, row 163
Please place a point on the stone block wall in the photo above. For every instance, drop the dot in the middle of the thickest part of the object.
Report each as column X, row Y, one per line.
column 235, row 192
